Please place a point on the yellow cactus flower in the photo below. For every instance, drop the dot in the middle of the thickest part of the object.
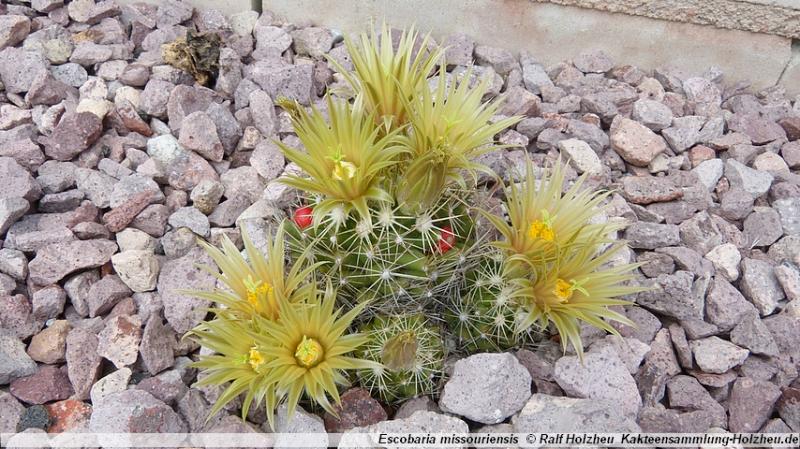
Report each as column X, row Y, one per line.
column 541, row 230
column 309, row 352
column 343, row 170
column 563, row 290
column 255, row 359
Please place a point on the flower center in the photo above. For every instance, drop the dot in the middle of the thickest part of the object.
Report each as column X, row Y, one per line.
column 541, row 230
column 255, row 359
column 343, row 170
column 563, row 290
column 255, row 293
column 309, row 352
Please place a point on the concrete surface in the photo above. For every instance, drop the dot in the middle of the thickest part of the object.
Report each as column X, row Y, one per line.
column 779, row 17
column 553, row 33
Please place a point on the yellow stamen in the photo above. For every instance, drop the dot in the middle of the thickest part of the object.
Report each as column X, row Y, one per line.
column 309, row 352
column 255, row 359
column 255, row 293
column 343, row 170
column 541, row 230
column 563, row 290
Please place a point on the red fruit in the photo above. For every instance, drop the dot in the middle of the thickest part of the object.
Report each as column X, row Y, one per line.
column 303, row 217
column 446, row 240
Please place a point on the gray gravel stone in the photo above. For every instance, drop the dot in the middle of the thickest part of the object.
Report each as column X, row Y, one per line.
column 11, row 210
column 19, row 184
column 751, row 404
column 649, row 189
column 198, row 133
column 501, row 60
column 134, row 411
column 506, row 387
column 709, row 172
column 13, row 263
column 725, row 306
column 673, row 295
column 754, row 182
column 156, row 346
column 715, row 355
column 760, row 286
column 301, row 424
column 184, row 312
column 686, row 393
column 762, row 227
column 190, row 217
column 83, row 361
column 112, row 383
column 268, row 160
column 14, row 362
column 752, row 334
column 789, row 210
column 546, row 414
column 700, row 233
column 645, row 235
column 600, row 375
column 13, row 411
column 652, row 114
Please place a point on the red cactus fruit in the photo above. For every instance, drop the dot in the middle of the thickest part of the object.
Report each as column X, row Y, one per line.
column 303, row 216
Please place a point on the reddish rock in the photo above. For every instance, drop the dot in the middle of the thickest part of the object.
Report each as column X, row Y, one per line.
column 50, row 383
column 634, row 142
column 131, row 120
column 199, row 134
column 157, row 343
column 760, row 130
column 68, row 415
column 46, row 90
column 25, row 152
column 792, row 127
column 16, row 316
column 118, row 218
column 73, row 134
column 83, row 361
column 701, row 153
column 86, row 212
column 357, row 409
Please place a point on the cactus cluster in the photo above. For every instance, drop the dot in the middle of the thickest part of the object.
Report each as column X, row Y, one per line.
column 390, row 231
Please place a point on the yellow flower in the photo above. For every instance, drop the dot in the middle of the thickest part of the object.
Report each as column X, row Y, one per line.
column 563, row 290
column 343, row 170
column 255, row 359
column 541, row 230
column 309, row 352
column 258, row 293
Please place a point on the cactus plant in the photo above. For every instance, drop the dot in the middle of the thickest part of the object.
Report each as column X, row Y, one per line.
column 412, row 230
column 396, row 261
column 274, row 338
column 385, row 77
column 558, row 260
column 483, row 315
column 411, row 354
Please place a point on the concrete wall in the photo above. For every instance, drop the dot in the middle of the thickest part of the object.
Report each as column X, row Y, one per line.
column 778, row 17
column 553, row 32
